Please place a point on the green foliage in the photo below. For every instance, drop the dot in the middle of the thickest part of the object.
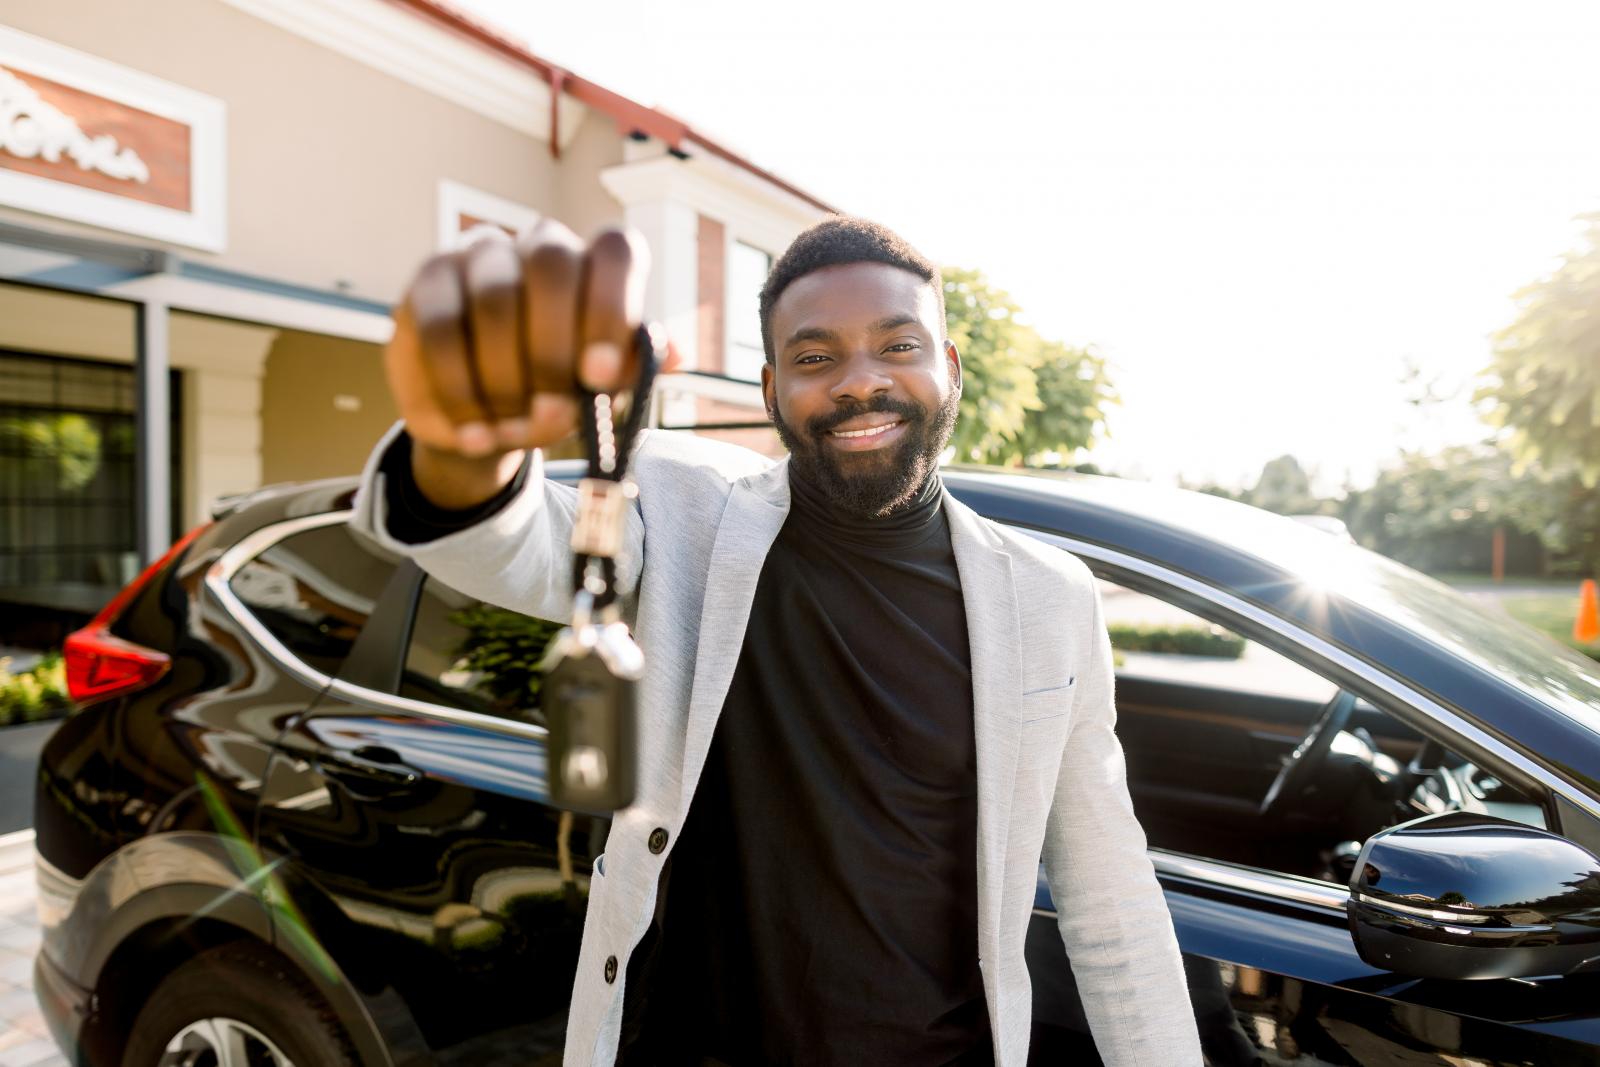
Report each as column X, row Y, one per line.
column 1074, row 391
column 1544, row 380
column 60, row 451
column 1437, row 512
column 1023, row 398
column 504, row 648
column 1285, row 488
column 39, row 693
column 1185, row 640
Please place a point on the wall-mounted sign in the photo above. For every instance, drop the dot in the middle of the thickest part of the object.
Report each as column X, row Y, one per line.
column 85, row 139
column 463, row 209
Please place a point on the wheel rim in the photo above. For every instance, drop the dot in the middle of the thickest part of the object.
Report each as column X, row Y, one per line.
column 221, row 1042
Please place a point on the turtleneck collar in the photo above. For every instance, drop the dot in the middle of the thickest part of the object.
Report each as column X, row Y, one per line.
column 919, row 520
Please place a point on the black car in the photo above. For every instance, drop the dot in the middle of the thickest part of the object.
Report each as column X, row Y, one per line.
column 300, row 815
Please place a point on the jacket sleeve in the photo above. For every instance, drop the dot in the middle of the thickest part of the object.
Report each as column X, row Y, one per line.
column 517, row 555
column 1110, row 909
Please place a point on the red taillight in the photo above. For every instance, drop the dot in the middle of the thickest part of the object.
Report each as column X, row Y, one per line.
column 98, row 664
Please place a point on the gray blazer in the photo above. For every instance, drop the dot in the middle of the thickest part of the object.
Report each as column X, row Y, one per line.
column 1051, row 778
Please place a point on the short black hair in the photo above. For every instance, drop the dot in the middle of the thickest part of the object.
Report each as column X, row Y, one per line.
column 836, row 240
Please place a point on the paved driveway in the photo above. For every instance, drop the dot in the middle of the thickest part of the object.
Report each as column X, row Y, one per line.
column 19, row 763
column 24, row 1041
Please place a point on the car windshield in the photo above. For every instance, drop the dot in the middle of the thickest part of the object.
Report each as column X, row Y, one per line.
column 1331, row 569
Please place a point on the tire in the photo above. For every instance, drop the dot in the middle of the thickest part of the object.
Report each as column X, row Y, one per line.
column 242, row 992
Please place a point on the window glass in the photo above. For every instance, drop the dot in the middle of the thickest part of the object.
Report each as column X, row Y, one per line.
column 314, row 590
column 1208, row 719
column 475, row 656
column 67, row 515
column 748, row 267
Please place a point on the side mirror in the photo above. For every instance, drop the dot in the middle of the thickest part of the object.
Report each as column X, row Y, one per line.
column 1464, row 895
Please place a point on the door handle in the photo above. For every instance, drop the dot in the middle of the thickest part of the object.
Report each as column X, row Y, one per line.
column 367, row 765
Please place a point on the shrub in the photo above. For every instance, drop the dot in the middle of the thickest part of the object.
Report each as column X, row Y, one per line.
column 504, row 649
column 39, row 693
column 1184, row 640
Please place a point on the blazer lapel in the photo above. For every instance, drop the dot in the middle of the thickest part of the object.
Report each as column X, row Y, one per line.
column 994, row 636
column 750, row 523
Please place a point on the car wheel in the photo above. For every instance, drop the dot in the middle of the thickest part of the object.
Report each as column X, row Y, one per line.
column 237, row 1005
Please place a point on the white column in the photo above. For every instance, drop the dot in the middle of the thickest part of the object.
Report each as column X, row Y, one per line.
column 152, row 463
column 672, row 230
column 223, row 364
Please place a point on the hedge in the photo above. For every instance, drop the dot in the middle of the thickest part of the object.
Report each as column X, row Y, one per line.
column 39, row 693
column 1184, row 640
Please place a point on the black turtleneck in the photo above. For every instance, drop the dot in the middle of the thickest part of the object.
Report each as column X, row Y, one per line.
column 821, row 901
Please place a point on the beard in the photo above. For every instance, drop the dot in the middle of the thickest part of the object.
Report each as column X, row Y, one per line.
column 877, row 483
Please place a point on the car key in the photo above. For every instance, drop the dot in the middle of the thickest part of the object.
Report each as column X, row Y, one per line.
column 594, row 664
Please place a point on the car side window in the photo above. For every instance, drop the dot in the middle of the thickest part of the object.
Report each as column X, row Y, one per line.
column 474, row 656
column 1209, row 720
column 314, row 590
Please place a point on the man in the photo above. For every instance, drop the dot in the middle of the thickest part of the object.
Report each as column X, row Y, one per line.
column 867, row 711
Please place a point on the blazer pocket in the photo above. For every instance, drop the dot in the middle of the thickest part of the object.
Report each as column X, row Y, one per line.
column 1051, row 702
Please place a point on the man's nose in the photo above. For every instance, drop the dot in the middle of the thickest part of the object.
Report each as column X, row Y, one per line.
column 859, row 381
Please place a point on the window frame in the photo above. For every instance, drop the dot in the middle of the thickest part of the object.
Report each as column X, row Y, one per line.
column 1366, row 681
column 258, row 541
column 730, row 344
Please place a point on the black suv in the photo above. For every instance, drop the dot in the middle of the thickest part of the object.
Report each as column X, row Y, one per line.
column 300, row 814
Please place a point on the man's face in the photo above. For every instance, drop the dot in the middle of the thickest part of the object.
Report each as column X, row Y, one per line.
column 862, row 391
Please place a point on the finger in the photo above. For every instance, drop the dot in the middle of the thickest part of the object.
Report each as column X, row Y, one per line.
column 438, row 308
column 552, row 269
column 551, row 417
column 610, row 306
column 409, row 385
column 494, row 300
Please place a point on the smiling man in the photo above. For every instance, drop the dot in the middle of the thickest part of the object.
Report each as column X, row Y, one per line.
column 868, row 712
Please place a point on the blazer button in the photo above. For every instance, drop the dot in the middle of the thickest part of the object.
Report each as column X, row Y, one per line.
column 658, row 840
column 611, row 969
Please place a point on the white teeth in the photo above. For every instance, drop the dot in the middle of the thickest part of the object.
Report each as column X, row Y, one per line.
column 872, row 432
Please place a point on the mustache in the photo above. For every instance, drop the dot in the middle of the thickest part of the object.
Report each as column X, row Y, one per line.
column 908, row 410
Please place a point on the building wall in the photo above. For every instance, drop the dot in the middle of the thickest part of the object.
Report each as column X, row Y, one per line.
column 324, row 403
column 333, row 166
column 580, row 200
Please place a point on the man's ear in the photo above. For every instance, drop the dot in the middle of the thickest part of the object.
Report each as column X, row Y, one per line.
column 769, row 398
column 953, row 358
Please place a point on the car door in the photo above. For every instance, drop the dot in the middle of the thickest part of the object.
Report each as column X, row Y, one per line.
column 1273, row 972
column 408, row 806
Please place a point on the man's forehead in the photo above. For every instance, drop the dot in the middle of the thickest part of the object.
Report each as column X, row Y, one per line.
column 855, row 294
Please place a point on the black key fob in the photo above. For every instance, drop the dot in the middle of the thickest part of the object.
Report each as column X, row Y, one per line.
column 591, row 757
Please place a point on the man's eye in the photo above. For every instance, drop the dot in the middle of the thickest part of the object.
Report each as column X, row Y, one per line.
column 906, row 345
column 809, row 357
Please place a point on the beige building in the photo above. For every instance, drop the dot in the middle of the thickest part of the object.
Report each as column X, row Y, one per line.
column 207, row 208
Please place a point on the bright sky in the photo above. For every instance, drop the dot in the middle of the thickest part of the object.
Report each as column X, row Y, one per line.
column 1260, row 213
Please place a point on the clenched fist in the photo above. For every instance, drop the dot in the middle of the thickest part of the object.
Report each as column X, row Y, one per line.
column 490, row 343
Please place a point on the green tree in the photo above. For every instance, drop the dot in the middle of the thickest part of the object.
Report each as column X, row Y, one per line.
column 1285, row 487
column 1023, row 398
column 1543, row 384
column 1437, row 512
column 998, row 387
column 1074, row 391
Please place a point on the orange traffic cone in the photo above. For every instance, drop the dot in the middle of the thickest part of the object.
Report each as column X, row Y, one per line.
column 1587, row 628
